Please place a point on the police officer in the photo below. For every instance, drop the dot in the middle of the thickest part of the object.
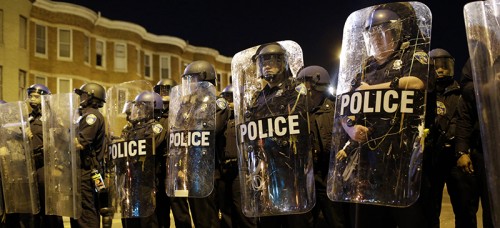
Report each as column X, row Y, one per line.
column 204, row 210
column 179, row 205
column 35, row 92
column 469, row 158
column 229, row 184
column 280, row 96
column 397, row 61
column 90, row 141
column 146, row 104
column 322, row 109
column 444, row 168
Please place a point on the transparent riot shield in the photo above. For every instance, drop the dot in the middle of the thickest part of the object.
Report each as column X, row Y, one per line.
column 483, row 36
column 61, row 158
column 379, row 136
column 191, row 154
column 132, row 163
column 19, row 183
column 271, row 114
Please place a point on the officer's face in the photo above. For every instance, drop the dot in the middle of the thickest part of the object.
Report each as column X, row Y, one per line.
column 35, row 99
column 141, row 111
column 444, row 67
column 382, row 40
column 270, row 64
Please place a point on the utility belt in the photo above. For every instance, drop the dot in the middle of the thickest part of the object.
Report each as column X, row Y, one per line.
column 89, row 161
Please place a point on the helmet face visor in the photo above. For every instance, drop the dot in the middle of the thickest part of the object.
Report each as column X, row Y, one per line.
column 228, row 96
column 141, row 110
column 444, row 67
column 163, row 90
column 271, row 64
column 188, row 83
column 382, row 40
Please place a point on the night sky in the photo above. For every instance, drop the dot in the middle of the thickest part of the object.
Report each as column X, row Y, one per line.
column 232, row 26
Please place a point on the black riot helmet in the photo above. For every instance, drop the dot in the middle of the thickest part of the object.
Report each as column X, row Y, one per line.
column 199, row 71
column 145, row 104
column 163, row 88
column 95, row 95
column 444, row 63
column 227, row 93
column 387, row 27
column 38, row 88
column 270, row 60
column 317, row 76
column 35, row 100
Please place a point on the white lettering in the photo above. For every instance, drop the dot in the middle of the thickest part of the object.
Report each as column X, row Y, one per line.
column 278, row 126
column 406, row 101
column 141, row 147
column 344, row 103
column 356, row 100
column 387, row 103
column 187, row 139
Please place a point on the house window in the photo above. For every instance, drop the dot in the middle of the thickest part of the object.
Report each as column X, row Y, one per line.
column 1, row 82
column 120, row 57
column 1, row 26
column 165, row 67
column 138, row 61
column 41, row 80
column 64, row 85
column 217, row 82
column 64, row 43
column 41, row 40
column 147, row 66
column 86, row 49
column 100, row 51
column 22, row 84
column 23, row 32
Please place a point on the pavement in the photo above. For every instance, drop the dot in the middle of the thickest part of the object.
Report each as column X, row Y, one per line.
column 447, row 216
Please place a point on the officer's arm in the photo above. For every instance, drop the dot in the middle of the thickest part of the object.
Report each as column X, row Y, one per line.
column 222, row 113
column 464, row 126
column 87, row 132
column 406, row 82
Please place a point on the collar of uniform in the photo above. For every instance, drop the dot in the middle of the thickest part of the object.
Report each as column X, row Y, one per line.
column 454, row 87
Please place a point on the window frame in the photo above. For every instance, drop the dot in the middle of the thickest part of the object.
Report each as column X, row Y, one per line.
column 125, row 58
column 103, row 54
column 59, row 57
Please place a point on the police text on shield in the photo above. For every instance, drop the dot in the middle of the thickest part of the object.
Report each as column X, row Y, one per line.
column 190, row 138
column 377, row 101
column 131, row 148
column 270, row 127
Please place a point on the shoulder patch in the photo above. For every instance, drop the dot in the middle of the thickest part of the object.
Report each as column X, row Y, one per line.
column 422, row 57
column 301, row 88
column 441, row 108
column 397, row 64
column 221, row 103
column 90, row 119
column 157, row 128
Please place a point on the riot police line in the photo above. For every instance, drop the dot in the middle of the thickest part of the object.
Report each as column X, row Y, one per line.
column 162, row 145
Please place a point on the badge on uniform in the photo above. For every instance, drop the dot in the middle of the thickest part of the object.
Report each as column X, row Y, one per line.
column 221, row 103
column 91, row 119
column 157, row 128
column 397, row 64
column 441, row 108
column 422, row 57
